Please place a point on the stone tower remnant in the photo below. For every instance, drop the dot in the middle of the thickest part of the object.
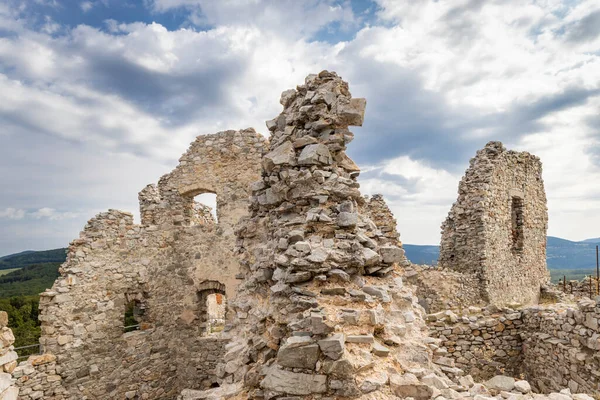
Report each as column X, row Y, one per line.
column 322, row 310
column 496, row 230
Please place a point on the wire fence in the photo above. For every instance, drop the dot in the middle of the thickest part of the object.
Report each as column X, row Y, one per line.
column 29, row 350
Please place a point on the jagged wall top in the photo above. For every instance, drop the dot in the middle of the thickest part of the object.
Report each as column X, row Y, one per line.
column 496, row 229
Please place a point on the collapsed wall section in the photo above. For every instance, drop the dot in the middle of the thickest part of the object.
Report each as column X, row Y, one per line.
column 496, row 230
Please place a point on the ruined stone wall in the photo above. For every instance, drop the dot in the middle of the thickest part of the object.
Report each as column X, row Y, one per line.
column 37, row 378
column 165, row 267
column 323, row 310
column 553, row 347
column 482, row 343
column 585, row 288
column 444, row 289
column 562, row 347
column 8, row 360
column 496, row 230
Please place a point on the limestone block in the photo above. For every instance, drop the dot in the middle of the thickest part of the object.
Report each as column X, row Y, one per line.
column 315, row 154
column 283, row 154
column 12, row 393
column 523, row 386
column 333, row 346
column 359, row 339
column 501, row 382
column 298, row 352
column 408, row 385
column 347, row 219
column 352, row 113
column 294, row 383
column 391, row 254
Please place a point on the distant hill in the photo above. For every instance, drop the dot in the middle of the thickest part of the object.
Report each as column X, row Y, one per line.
column 422, row 254
column 29, row 257
column 564, row 257
column 18, row 254
column 593, row 240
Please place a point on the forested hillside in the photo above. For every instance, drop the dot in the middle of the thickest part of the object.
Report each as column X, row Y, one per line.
column 26, row 258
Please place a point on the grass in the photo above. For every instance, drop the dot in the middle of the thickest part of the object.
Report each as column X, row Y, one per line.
column 8, row 271
column 571, row 274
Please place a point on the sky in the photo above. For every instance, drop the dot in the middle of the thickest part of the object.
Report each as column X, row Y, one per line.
column 100, row 97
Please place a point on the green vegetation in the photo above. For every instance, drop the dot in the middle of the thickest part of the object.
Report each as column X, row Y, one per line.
column 23, row 320
column 28, row 281
column 8, row 271
column 23, row 277
column 571, row 274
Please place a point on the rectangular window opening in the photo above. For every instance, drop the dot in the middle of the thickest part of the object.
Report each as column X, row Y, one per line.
column 517, row 224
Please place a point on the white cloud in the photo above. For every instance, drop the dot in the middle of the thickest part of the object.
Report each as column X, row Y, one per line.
column 86, row 6
column 52, row 214
column 12, row 213
column 288, row 18
column 441, row 78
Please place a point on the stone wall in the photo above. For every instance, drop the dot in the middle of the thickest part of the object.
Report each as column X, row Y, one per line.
column 553, row 347
column 8, row 360
column 483, row 343
column 323, row 311
column 38, row 379
column 496, row 230
column 444, row 289
column 163, row 267
column 562, row 347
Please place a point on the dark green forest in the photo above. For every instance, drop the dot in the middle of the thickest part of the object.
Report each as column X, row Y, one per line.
column 20, row 289
column 27, row 258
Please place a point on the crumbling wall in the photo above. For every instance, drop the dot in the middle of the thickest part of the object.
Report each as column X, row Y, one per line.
column 444, row 289
column 162, row 267
column 562, row 346
column 38, row 379
column 8, row 360
column 483, row 343
column 497, row 227
column 323, row 310
column 553, row 347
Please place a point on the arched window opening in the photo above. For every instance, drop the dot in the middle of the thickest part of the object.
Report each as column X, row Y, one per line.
column 204, row 209
column 213, row 307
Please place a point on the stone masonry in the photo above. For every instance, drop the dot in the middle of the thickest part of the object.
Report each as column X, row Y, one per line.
column 322, row 311
column 166, row 267
column 553, row 347
column 496, row 230
column 8, row 360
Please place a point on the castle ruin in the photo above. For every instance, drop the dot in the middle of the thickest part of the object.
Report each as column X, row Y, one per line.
column 311, row 278
column 496, row 230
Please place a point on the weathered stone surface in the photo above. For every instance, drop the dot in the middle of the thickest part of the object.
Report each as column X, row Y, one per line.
column 359, row 339
column 522, row 386
column 392, row 254
column 284, row 154
column 294, row 383
column 408, row 385
column 501, row 382
column 298, row 352
column 315, row 154
column 333, row 346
